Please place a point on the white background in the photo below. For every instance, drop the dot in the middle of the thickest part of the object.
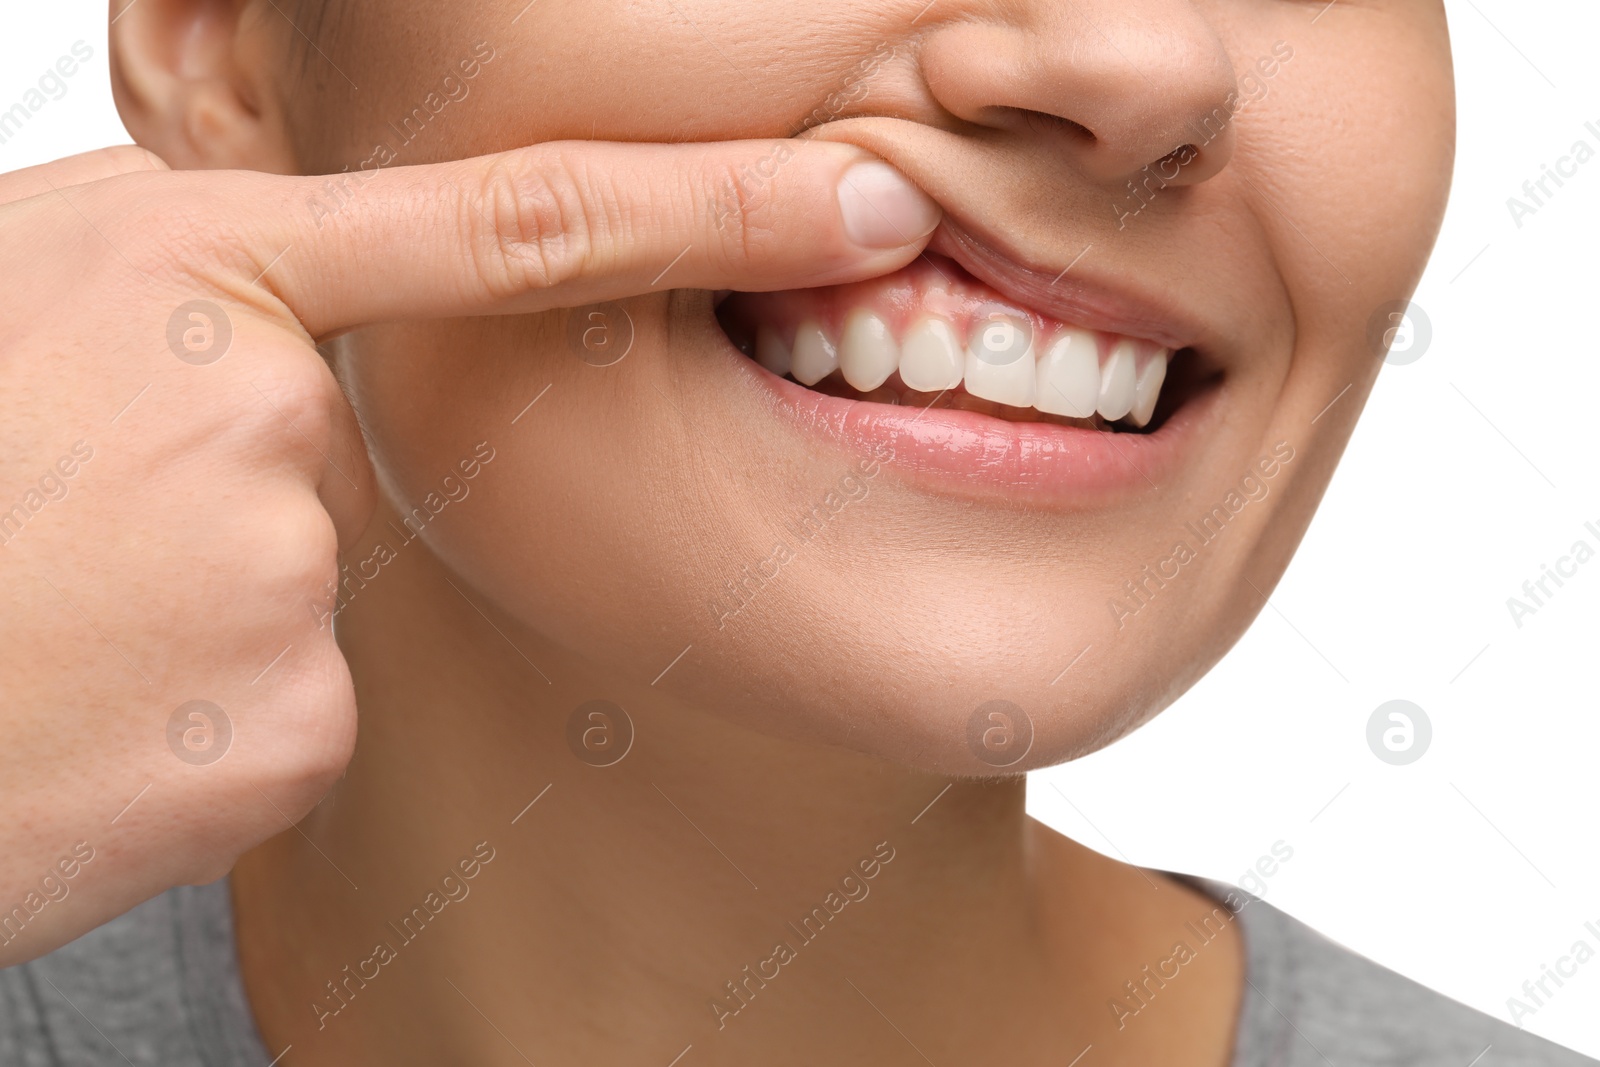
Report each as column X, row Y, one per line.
column 1475, row 866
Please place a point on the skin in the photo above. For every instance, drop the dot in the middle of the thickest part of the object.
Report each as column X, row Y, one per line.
column 188, row 465
column 779, row 750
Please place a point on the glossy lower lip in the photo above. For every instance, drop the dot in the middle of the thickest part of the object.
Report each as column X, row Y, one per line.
column 969, row 455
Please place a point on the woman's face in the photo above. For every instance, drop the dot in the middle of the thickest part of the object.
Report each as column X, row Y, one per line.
column 1250, row 183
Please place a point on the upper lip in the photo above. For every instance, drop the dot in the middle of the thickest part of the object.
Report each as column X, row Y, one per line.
column 1072, row 295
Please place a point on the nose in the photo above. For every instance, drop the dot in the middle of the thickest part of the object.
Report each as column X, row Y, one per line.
column 1121, row 84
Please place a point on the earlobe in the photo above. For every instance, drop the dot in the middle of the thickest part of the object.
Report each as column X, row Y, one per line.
column 191, row 83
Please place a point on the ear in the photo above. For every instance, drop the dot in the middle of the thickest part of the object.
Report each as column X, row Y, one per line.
column 191, row 82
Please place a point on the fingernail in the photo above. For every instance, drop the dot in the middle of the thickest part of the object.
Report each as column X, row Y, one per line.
column 882, row 209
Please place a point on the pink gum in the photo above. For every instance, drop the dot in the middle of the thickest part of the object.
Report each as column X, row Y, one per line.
column 920, row 289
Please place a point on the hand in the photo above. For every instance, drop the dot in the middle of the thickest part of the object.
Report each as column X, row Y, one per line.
column 178, row 466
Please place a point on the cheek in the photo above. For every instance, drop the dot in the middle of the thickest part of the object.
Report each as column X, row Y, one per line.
column 1348, row 161
column 1355, row 147
column 573, row 69
column 604, row 517
column 613, row 523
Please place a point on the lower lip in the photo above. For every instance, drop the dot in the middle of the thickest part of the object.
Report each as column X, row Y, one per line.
column 974, row 456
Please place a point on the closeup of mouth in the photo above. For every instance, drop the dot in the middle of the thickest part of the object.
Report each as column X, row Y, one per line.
column 978, row 375
column 933, row 336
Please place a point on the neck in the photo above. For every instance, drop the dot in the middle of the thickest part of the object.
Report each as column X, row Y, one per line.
column 480, row 889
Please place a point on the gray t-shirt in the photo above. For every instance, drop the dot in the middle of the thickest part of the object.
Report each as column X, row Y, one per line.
column 160, row 986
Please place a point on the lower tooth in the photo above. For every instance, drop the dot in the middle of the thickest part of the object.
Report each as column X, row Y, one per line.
column 1000, row 363
column 1147, row 389
column 771, row 352
column 930, row 358
column 868, row 353
column 1117, row 381
column 814, row 356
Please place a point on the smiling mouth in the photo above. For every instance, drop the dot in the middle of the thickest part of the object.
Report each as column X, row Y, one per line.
column 976, row 375
column 932, row 335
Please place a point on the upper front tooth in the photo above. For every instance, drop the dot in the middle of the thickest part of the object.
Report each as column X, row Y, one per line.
column 1069, row 375
column 930, row 358
column 868, row 353
column 1000, row 363
column 1147, row 390
column 814, row 356
column 1117, row 382
column 771, row 352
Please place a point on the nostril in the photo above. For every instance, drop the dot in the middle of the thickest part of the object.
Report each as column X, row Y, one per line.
column 1044, row 122
column 1181, row 156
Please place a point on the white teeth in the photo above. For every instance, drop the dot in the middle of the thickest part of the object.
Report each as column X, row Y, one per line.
column 1069, row 375
column 1117, row 382
column 771, row 352
column 814, row 357
column 1147, row 389
column 868, row 352
column 1000, row 364
column 1060, row 375
column 930, row 358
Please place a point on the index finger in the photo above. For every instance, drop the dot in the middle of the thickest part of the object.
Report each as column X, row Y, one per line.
column 572, row 223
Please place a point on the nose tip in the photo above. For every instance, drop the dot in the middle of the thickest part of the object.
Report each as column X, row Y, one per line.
column 1181, row 128
column 1124, row 99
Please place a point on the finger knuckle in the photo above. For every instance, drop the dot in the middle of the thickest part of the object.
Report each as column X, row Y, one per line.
column 285, row 755
column 542, row 224
column 739, row 220
column 293, row 410
column 296, row 555
column 317, row 728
